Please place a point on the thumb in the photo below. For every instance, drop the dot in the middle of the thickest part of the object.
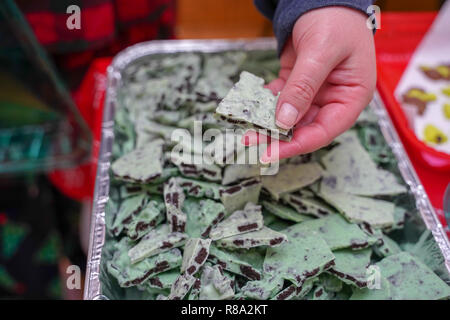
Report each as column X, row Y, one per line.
column 311, row 68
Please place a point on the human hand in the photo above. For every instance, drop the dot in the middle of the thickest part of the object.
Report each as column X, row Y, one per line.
column 327, row 77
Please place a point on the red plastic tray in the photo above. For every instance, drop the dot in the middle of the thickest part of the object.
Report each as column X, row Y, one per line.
column 395, row 42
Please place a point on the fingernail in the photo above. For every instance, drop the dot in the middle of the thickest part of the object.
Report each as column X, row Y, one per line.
column 287, row 115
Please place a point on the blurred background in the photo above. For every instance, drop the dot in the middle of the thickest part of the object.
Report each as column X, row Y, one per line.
column 51, row 82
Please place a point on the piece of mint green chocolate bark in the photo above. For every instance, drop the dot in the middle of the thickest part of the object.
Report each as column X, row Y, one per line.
column 202, row 216
column 241, row 221
column 155, row 242
column 291, row 177
column 129, row 274
column 263, row 289
column 351, row 266
column 142, row 165
column 127, row 210
column 305, row 255
column 410, row 279
column 377, row 213
column 338, row 233
column 215, row 285
column 262, row 237
column 355, row 171
column 195, row 253
column 237, row 196
column 283, row 212
column 246, row 264
column 146, row 219
column 249, row 104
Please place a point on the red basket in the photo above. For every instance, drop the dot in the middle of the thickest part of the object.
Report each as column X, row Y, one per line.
column 395, row 42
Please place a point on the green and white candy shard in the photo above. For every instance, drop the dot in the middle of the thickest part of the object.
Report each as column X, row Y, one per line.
column 377, row 213
column 181, row 286
column 200, row 189
column 189, row 168
column 330, row 282
column 263, row 289
column 410, row 279
column 163, row 280
column 215, row 285
column 174, row 198
column 282, row 212
column 156, row 241
column 148, row 218
column 387, row 248
column 141, row 165
column 249, row 104
column 202, row 216
column 196, row 251
column 129, row 274
column 247, row 265
column 309, row 206
column 351, row 266
column 262, row 237
column 383, row 292
column 235, row 172
column 305, row 255
column 355, row 171
column 237, row 196
column 129, row 207
column 338, row 233
column 320, row 293
column 293, row 292
column 291, row 177
column 240, row 221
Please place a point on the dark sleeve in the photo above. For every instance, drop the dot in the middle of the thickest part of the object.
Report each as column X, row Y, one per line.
column 284, row 13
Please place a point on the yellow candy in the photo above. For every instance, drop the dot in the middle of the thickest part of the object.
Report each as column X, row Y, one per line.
column 446, row 91
column 433, row 135
column 446, row 110
column 444, row 71
column 415, row 93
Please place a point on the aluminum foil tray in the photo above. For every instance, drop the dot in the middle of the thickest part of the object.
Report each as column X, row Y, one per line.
column 144, row 51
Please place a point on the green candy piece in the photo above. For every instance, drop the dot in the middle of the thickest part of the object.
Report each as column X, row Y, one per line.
column 262, row 237
column 377, row 213
column 202, row 216
column 384, row 292
column 356, row 173
column 163, row 280
column 195, row 253
column 215, row 285
column 235, row 172
column 410, row 279
column 140, row 165
column 200, row 189
column 129, row 274
column 263, row 289
column 282, row 211
column 330, row 282
column 291, row 177
column 187, row 168
column 148, row 218
column 249, row 104
column 128, row 209
column 351, row 266
column 320, row 293
column 305, row 255
column 181, row 286
column 338, row 233
column 310, row 206
column 246, row 264
column 156, row 241
column 240, row 221
column 237, row 196
column 293, row 292
column 387, row 248
column 173, row 199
